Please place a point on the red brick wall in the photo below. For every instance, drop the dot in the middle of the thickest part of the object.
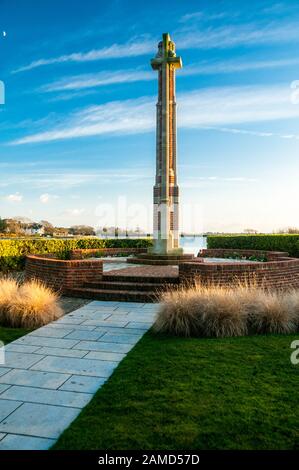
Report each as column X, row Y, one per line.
column 62, row 275
column 280, row 274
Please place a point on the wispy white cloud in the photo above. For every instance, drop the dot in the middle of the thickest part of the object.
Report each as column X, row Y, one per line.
column 217, row 68
column 83, row 81
column 76, row 212
column 238, row 35
column 276, row 8
column 73, row 86
column 212, row 107
column 197, row 181
column 236, row 105
column 204, row 38
column 121, row 117
column 65, row 180
column 16, row 197
column 200, row 15
column 46, row 197
column 133, row 48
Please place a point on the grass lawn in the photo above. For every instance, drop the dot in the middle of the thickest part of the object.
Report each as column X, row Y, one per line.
column 10, row 334
column 173, row 393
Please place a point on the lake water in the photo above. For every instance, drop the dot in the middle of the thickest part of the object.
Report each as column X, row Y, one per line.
column 193, row 244
column 189, row 244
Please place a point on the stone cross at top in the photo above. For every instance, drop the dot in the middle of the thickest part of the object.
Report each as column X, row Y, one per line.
column 166, row 191
column 166, row 54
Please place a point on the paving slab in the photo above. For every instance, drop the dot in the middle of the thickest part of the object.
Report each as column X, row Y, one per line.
column 4, row 370
column 103, row 303
column 141, row 325
column 21, row 348
column 51, row 332
column 43, row 341
column 21, row 360
column 102, row 346
column 3, row 387
column 88, row 335
column 38, row 420
column 120, row 338
column 121, row 311
column 60, row 352
column 46, row 396
column 130, row 305
column 18, row 442
column 122, row 330
column 101, row 312
column 104, row 356
column 146, row 318
column 83, row 383
column 32, row 378
column 69, row 321
column 123, row 318
column 94, row 315
column 2, row 435
column 7, row 407
column 101, row 323
column 70, row 365
column 74, row 327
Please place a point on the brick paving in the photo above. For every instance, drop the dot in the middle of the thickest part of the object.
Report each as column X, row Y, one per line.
column 50, row 374
column 148, row 271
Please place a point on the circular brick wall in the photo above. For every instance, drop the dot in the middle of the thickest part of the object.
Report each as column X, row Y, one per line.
column 278, row 272
column 62, row 275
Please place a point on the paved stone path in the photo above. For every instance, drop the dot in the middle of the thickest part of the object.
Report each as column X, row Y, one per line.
column 52, row 373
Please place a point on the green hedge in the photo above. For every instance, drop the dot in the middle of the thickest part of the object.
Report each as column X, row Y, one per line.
column 13, row 252
column 289, row 243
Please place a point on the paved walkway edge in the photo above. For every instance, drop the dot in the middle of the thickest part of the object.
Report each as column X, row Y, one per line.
column 49, row 375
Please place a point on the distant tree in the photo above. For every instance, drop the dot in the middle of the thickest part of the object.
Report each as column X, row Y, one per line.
column 36, row 226
column 82, row 230
column 2, row 225
column 105, row 230
column 250, row 231
column 61, row 231
column 289, row 230
column 45, row 223
column 14, row 227
column 116, row 232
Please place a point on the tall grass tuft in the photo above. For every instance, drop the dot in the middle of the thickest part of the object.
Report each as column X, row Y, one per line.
column 273, row 312
column 222, row 311
column 8, row 291
column 29, row 305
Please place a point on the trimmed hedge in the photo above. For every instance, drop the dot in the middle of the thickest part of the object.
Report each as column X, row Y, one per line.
column 13, row 252
column 289, row 243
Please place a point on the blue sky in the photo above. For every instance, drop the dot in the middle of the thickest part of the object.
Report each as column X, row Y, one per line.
column 77, row 131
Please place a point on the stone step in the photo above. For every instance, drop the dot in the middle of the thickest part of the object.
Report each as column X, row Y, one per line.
column 117, row 295
column 140, row 279
column 129, row 286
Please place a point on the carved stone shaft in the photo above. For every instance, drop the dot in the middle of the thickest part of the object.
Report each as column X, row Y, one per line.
column 166, row 191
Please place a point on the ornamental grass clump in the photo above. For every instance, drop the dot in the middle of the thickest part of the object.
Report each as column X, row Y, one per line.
column 27, row 305
column 214, row 311
column 8, row 291
column 273, row 312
